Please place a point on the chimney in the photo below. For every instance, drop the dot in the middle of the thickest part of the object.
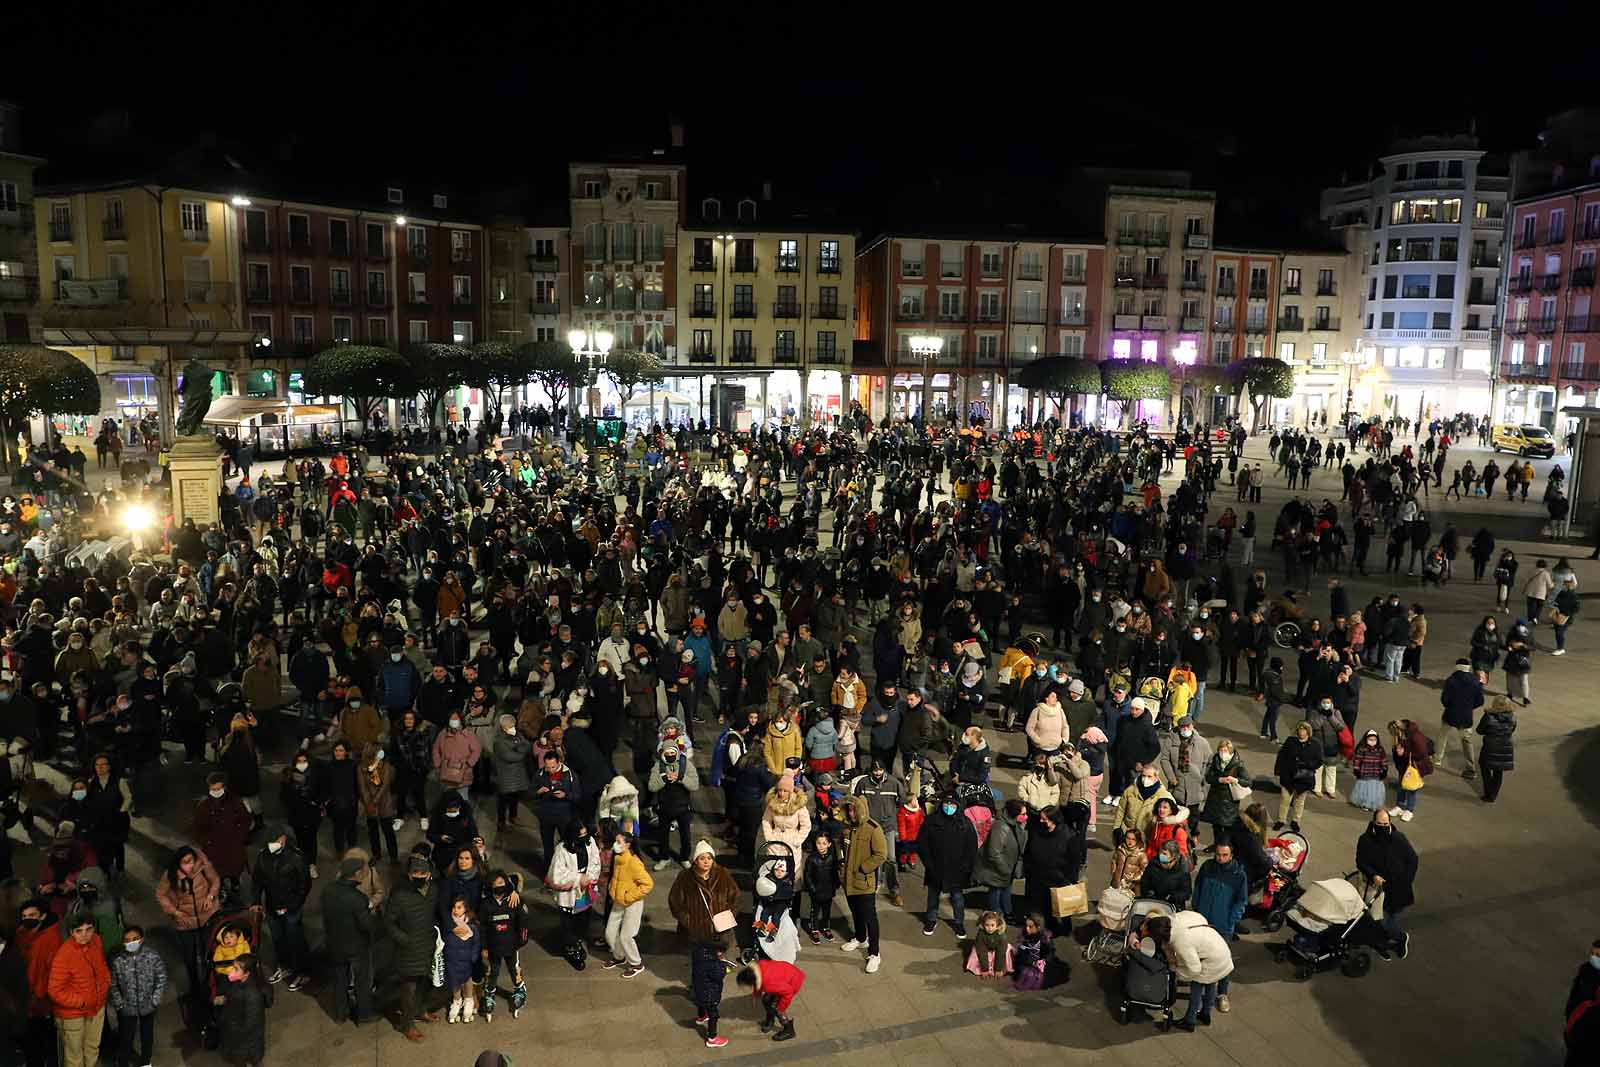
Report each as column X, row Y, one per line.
column 675, row 128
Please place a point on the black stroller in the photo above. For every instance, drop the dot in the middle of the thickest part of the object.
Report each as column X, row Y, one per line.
column 1147, row 980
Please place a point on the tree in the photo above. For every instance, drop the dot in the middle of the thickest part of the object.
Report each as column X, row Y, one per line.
column 1261, row 379
column 1130, row 380
column 1059, row 377
column 433, row 370
column 553, row 366
column 630, row 368
column 35, row 380
column 362, row 374
column 494, row 367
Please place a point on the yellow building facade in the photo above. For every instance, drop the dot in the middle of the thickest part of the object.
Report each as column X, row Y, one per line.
column 768, row 307
column 1318, row 334
column 134, row 280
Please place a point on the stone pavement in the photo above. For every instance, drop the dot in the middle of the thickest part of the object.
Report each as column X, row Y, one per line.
column 1499, row 925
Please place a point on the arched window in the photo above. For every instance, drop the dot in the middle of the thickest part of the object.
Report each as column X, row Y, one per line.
column 711, row 208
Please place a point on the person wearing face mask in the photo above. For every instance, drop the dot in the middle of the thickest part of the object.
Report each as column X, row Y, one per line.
column 359, row 721
column 1333, row 736
column 999, row 862
column 1185, row 757
column 629, row 884
column 505, row 926
column 1167, row 877
column 281, row 889
column 222, row 824
column 410, row 917
column 78, row 986
column 398, row 682
column 456, row 752
column 1387, row 861
column 138, row 980
column 1047, row 728
column 1582, row 1013
column 948, row 846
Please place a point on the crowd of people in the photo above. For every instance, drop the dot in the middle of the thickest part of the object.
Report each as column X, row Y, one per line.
column 666, row 650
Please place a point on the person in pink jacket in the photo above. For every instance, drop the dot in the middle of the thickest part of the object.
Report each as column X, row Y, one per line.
column 455, row 753
column 786, row 817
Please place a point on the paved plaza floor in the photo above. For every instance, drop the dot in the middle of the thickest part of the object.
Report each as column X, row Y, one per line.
column 1507, row 900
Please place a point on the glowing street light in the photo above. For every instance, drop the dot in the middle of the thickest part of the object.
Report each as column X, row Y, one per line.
column 927, row 347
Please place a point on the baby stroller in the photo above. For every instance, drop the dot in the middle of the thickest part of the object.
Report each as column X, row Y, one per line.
column 1147, row 981
column 1324, row 920
column 774, row 893
column 202, row 1009
column 1115, row 906
column 1282, row 886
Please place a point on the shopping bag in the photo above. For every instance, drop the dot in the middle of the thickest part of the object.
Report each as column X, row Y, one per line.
column 1067, row 900
column 1238, row 791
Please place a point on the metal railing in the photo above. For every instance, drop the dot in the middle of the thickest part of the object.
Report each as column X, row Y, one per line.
column 377, row 298
column 19, row 288
column 257, row 242
column 1125, row 281
column 1030, row 316
column 1487, row 222
column 912, row 268
column 1549, row 283
column 1554, row 236
column 786, row 264
column 1291, row 290
column 417, row 299
column 1030, row 274
column 702, row 355
column 376, row 250
column 1227, row 288
column 906, row 314
column 1528, row 240
column 1581, row 372
column 1073, row 277
column 197, row 234
column 825, row 355
column 987, row 314
column 1522, row 283
column 740, row 265
column 341, row 296
column 543, row 307
column 956, row 315
column 1329, row 325
column 785, row 354
column 742, row 355
column 788, row 309
column 703, row 309
column 258, row 294
column 1255, row 327
column 461, row 300
column 1193, row 285
column 302, row 294
column 829, row 311
column 1128, row 237
column 1191, row 324
column 741, row 311
column 829, row 266
column 1325, row 290
column 703, row 266
column 1583, row 323
column 460, row 255
column 1157, row 239
column 114, row 229
column 341, row 248
column 60, row 231
column 301, row 244
column 1545, row 325
column 1291, row 322
column 1524, row 371
column 1072, row 317
column 184, row 292
column 417, row 252
column 543, row 264
column 1153, row 281
column 1582, row 277
column 1516, row 327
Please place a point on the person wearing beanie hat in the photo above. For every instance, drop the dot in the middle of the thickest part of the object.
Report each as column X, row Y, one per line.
column 281, row 888
column 785, row 816
column 349, row 926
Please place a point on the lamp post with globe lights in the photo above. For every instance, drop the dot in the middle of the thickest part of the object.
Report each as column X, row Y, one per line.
column 1351, row 361
column 590, row 347
column 926, row 348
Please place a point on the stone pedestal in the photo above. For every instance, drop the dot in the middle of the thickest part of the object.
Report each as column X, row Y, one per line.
column 195, row 464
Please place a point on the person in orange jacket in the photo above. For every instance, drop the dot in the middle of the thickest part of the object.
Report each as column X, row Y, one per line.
column 78, row 987
column 39, row 937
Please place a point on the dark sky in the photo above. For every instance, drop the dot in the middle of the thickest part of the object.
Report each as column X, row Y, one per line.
column 827, row 101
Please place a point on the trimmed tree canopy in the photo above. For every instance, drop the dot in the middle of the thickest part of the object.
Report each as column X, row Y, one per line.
column 553, row 366
column 1136, row 379
column 630, row 368
column 1060, row 375
column 433, row 370
column 1261, row 379
column 363, row 373
column 35, row 380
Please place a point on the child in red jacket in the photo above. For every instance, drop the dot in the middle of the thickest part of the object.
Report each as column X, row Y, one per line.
column 777, row 984
column 908, row 825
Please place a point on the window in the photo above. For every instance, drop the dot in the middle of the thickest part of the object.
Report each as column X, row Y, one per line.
column 545, row 248
column 1191, row 270
column 441, row 201
column 788, row 256
column 828, row 257
column 339, row 284
column 377, row 286
column 339, row 237
column 704, row 302
column 261, row 324
column 654, row 332
column 950, row 305
column 1397, row 211
column 1291, row 280
column 417, row 242
column 375, row 249
column 1413, row 320
column 1444, row 287
column 1448, row 247
column 1323, row 319
column 460, row 246
column 300, row 284
column 1150, row 349
column 1029, row 267
column 302, row 332
column 1153, row 304
column 395, row 196
column 343, row 330
column 1072, row 344
column 744, row 255
column 1225, row 281
column 827, row 345
column 622, row 235
column 1575, row 354
column 548, row 333
column 949, row 262
column 1558, row 226
column 1386, row 320
column 8, row 197
column 989, row 346
column 417, row 287
column 910, row 302
column 1441, row 320
column 989, row 306
column 1221, row 350
column 1254, row 349
column 1128, row 225
column 258, row 281
column 1258, row 281
column 1319, row 354
column 461, row 332
column 1324, row 283
column 592, row 189
column 744, row 301
column 702, row 345
column 300, row 232
column 650, row 191
column 743, row 343
column 783, row 347
column 1286, row 351
column 1372, row 288
column 990, row 264
column 1121, row 348
column 461, row 289
column 378, row 331
column 544, row 291
column 1154, row 267
column 1542, row 354
column 1072, row 266
column 192, row 216
column 1415, row 286
column 417, row 331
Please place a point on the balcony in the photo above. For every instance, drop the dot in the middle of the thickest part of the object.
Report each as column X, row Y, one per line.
column 197, row 234
column 1489, row 222
column 1526, row 372
column 1153, row 281
column 19, row 289
column 1191, row 324
column 377, row 298
column 543, row 307
column 1073, row 277
column 1072, row 316
column 1227, row 288
column 1255, row 327
column 951, row 315
column 980, row 358
column 17, row 213
column 1515, row 328
column 1545, row 326
column 1583, row 277
column 950, row 270
column 742, row 355
column 417, row 253
column 1028, row 316
column 1222, row 326
column 702, row 266
column 742, row 311
column 987, row 314
column 341, row 296
column 1125, row 281
column 1583, row 323
column 1258, row 292
column 417, row 298
column 1528, row 240
column 1030, row 273
column 1193, row 285
column 903, row 313
column 827, row 265
column 461, row 300
column 1549, row 283
column 1124, row 322
column 222, row 294
column 789, row 309
column 305, row 346
column 303, row 295
column 1129, row 237
column 543, row 264
column 258, row 243
column 1291, row 322
column 702, row 355
column 61, row 229
column 1325, row 326
column 341, row 248
column 258, row 294
column 786, row 264
column 460, row 255
column 300, row 244
column 1197, row 240
column 1154, row 323
column 825, row 355
column 1580, row 372
column 1555, row 237
column 1325, row 290
column 785, row 354
column 1156, row 239
column 1522, row 283
column 652, row 300
column 1429, row 183
column 743, row 266
column 829, row 311
column 703, row 309
column 1487, row 261
column 114, row 229
column 1588, row 231
column 911, row 268
column 1291, row 290
column 377, row 250
column 1415, row 292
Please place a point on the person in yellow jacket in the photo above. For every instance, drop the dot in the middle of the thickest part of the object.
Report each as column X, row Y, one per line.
column 630, row 884
column 782, row 740
column 1181, row 687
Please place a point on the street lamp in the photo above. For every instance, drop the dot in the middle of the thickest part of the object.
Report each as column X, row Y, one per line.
column 1184, row 356
column 1351, row 361
column 926, row 348
column 589, row 350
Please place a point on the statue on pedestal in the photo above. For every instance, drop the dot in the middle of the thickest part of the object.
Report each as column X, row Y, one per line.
column 196, row 398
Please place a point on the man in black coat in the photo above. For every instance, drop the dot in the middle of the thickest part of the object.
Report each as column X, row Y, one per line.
column 592, row 766
column 948, row 846
column 411, row 915
column 282, row 886
column 1388, row 862
column 1137, row 741
column 349, row 926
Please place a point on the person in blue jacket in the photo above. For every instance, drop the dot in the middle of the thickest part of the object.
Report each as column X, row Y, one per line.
column 1221, row 891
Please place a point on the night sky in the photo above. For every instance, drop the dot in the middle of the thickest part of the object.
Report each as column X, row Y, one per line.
column 839, row 110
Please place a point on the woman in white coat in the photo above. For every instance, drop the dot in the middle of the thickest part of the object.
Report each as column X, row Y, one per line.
column 1201, row 957
column 574, row 878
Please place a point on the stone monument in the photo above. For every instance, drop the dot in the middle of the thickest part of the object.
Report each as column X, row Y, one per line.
column 194, row 461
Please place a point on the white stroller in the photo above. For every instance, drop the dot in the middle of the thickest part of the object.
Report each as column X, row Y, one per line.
column 1120, row 913
column 1324, row 921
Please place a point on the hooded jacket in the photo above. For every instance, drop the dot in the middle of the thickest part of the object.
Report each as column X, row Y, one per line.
column 1169, row 828
column 1462, row 695
column 778, row 746
column 1388, row 854
column 1000, row 857
column 787, row 820
column 1039, row 791
column 1496, row 727
column 865, row 849
column 1047, row 727
column 1201, row 951
column 948, row 847
column 1137, row 811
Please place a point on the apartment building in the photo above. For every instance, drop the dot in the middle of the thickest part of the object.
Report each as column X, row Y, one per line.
column 767, row 305
column 1429, row 228
column 19, row 250
column 995, row 301
column 1316, row 331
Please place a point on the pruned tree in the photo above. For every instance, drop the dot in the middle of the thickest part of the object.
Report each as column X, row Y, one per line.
column 553, row 366
column 630, row 368
column 435, row 369
column 1131, row 380
column 1060, row 377
column 494, row 367
column 362, row 374
column 1261, row 380
column 36, row 380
